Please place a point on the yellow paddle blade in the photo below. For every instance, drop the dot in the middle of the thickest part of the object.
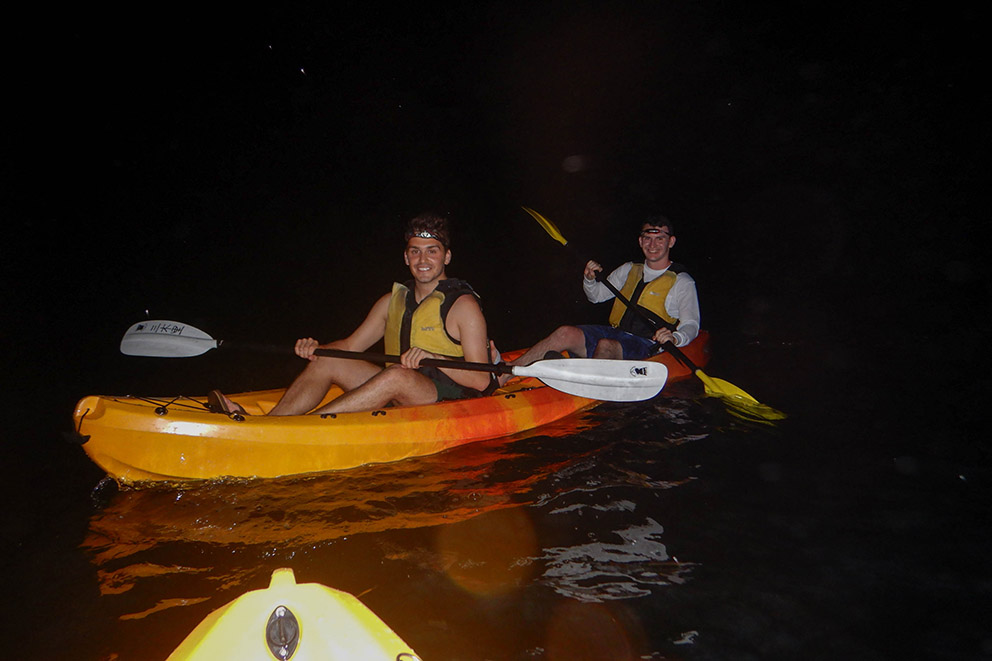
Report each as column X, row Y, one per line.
column 756, row 412
column 548, row 226
column 739, row 402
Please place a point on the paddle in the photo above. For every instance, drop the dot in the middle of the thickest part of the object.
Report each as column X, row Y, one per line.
column 607, row 380
column 740, row 402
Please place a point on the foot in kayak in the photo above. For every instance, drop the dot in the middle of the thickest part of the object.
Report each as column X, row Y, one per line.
column 219, row 403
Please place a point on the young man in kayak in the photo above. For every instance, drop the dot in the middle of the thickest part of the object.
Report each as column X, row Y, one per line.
column 431, row 316
column 658, row 284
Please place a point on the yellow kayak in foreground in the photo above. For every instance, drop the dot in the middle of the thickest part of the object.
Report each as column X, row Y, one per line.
column 174, row 439
column 293, row 622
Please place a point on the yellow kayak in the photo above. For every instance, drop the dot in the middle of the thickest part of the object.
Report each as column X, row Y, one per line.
column 293, row 622
column 174, row 439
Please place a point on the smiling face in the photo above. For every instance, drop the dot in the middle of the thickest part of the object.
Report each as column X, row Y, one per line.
column 426, row 259
column 656, row 242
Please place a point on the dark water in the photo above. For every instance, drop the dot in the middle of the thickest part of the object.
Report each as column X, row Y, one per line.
column 666, row 529
column 821, row 166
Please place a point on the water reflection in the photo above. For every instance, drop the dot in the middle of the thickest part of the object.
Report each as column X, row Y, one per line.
column 567, row 519
column 308, row 512
column 601, row 571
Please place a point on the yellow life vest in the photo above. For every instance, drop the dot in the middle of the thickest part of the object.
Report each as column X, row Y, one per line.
column 650, row 296
column 409, row 324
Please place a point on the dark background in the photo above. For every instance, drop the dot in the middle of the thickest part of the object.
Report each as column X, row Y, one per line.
column 249, row 172
column 260, row 163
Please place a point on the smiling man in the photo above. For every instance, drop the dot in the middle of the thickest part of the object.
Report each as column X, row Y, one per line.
column 431, row 316
column 659, row 286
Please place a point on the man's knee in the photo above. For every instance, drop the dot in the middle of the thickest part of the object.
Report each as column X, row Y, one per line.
column 405, row 386
column 567, row 336
column 607, row 348
column 392, row 373
column 397, row 378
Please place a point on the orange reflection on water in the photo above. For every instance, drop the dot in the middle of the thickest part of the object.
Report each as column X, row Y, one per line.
column 163, row 605
column 579, row 630
column 123, row 579
column 141, row 534
column 489, row 555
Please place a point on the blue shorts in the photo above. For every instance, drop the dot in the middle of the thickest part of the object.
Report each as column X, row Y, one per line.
column 634, row 347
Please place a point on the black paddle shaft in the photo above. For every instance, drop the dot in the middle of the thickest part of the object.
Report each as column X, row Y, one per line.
column 378, row 358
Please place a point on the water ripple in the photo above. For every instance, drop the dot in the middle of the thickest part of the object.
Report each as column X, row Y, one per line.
column 600, row 571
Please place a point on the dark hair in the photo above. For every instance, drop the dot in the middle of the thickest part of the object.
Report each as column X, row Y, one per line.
column 657, row 220
column 429, row 225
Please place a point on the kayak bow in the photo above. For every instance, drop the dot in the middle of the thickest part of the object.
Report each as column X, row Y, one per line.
column 293, row 622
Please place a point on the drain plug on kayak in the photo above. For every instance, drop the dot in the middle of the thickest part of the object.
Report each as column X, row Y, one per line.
column 282, row 633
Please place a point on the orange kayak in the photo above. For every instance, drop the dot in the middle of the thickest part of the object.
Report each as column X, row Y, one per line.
column 174, row 439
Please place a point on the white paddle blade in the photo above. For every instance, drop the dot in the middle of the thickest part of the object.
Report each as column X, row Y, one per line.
column 606, row 380
column 165, row 339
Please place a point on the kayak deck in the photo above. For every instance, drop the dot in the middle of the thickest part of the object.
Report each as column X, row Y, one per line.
column 291, row 620
column 177, row 439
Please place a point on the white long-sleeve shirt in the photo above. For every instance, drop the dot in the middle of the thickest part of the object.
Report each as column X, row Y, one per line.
column 682, row 303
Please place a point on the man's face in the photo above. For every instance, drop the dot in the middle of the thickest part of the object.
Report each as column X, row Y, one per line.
column 426, row 259
column 656, row 242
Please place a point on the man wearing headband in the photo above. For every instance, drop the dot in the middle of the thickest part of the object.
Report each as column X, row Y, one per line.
column 658, row 285
column 430, row 316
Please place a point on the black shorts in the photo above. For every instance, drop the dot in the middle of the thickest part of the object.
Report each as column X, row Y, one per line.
column 447, row 388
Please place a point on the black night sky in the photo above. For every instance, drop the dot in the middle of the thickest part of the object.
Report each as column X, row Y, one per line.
column 165, row 162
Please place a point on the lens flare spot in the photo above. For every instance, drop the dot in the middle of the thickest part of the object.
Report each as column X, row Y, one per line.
column 489, row 554
column 580, row 631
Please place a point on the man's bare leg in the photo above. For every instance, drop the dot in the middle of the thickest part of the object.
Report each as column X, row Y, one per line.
column 405, row 387
column 316, row 379
column 564, row 338
column 608, row 350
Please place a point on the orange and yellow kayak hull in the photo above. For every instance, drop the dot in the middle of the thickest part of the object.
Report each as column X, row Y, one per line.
column 176, row 439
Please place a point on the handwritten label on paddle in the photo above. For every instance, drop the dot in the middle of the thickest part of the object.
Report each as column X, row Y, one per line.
column 163, row 327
